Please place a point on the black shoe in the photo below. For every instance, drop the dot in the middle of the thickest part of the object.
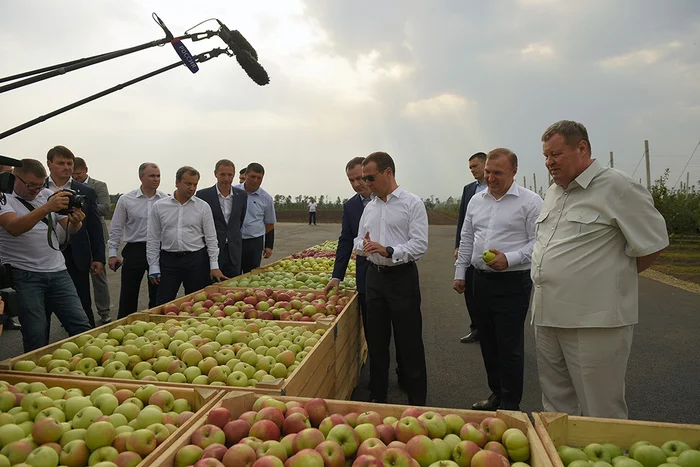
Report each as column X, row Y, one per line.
column 105, row 320
column 492, row 403
column 470, row 338
column 13, row 324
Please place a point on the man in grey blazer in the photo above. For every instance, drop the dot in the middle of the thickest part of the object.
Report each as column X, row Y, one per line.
column 99, row 282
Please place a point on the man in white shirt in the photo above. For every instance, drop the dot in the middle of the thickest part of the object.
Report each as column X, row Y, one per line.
column 39, row 272
column 598, row 230
column 312, row 211
column 500, row 221
column 130, row 223
column 181, row 246
column 258, row 229
column 393, row 235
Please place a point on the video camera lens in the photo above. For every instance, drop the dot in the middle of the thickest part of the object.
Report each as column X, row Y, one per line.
column 75, row 201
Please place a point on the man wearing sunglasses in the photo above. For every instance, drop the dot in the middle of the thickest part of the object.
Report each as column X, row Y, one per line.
column 39, row 272
column 393, row 235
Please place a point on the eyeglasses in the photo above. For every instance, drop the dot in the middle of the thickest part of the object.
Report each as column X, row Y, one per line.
column 372, row 177
column 29, row 187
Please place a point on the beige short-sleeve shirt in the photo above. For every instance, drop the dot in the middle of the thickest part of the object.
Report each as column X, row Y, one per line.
column 584, row 267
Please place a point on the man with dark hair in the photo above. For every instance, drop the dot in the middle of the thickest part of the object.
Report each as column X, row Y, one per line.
column 99, row 281
column 85, row 253
column 598, row 230
column 500, row 220
column 258, row 230
column 393, row 235
column 130, row 223
column 476, row 166
column 181, row 245
column 241, row 175
column 39, row 272
column 229, row 206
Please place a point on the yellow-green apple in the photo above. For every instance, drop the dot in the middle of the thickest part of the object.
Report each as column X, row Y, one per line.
column 463, row 453
column 422, row 449
column 160, row 430
column 119, row 442
column 239, row 455
column 434, row 423
column 474, row 433
column 86, row 417
column 372, row 446
column 144, row 392
column 257, row 405
column 103, row 454
column 163, row 399
column 43, row 456
column 613, row 449
column 331, row 421
column 47, row 430
column 188, row 455
column 454, row 423
column 149, row 415
column 265, row 430
column 568, row 454
column 452, row 440
column 36, row 404
column 634, row 447
column 127, row 459
column 597, row 452
column 99, row 434
column 648, row 455
column 17, row 451
column 366, row 431
column 443, row 449
column 235, row 431
column 394, row 457
column 669, row 460
column 351, row 418
column 71, row 435
column 219, row 416
column 294, row 423
column 288, row 443
column 142, row 442
column 307, row 439
column 486, row 458
column 494, row 428
column 496, row 447
column 332, row 453
column 517, row 445
column 674, row 448
column 107, row 403
column 390, row 420
column 408, row 427
column 272, row 448
column 128, row 409
column 580, row 463
column 689, row 458
column 74, row 454
column 181, row 405
column 317, row 408
column 52, row 412
column 305, row 458
column 346, row 437
column 208, row 434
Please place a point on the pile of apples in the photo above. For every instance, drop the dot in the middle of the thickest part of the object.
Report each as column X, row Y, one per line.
column 290, row 280
column 264, row 304
column 292, row 434
column 328, row 245
column 311, row 253
column 47, row 427
column 640, row 454
column 218, row 352
column 307, row 264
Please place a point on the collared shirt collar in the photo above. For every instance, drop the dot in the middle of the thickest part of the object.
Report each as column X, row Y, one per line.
column 587, row 176
column 140, row 193
column 220, row 194
column 86, row 180
column 52, row 183
column 396, row 193
column 513, row 190
column 191, row 200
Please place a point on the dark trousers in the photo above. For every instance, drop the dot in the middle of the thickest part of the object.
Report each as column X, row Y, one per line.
column 393, row 300
column 81, row 280
column 469, row 296
column 190, row 269
column 251, row 253
column 226, row 265
column 312, row 215
column 502, row 301
column 134, row 266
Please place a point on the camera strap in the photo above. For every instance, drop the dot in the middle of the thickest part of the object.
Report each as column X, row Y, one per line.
column 48, row 220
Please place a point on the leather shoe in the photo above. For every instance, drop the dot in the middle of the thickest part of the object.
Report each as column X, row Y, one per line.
column 492, row 403
column 470, row 338
column 13, row 325
column 105, row 320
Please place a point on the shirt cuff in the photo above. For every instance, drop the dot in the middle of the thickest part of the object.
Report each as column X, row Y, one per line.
column 213, row 265
column 399, row 255
column 460, row 273
column 113, row 252
column 154, row 270
column 359, row 252
column 513, row 258
column 336, row 279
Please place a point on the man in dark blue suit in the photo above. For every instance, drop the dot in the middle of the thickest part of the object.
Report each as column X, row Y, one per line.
column 228, row 206
column 476, row 166
column 85, row 254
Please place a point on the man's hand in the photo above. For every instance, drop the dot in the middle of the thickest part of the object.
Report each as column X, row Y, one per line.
column 332, row 284
column 456, row 253
column 267, row 253
column 154, row 278
column 460, row 286
column 58, row 201
column 217, row 276
column 96, row 268
column 373, row 247
column 500, row 262
column 114, row 262
column 76, row 217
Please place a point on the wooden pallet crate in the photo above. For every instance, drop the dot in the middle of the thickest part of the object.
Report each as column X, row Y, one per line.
column 240, row 402
column 201, row 401
column 555, row 429
column 314, row 377
column 349, row 344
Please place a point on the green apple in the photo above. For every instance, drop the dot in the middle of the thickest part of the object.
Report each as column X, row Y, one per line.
column 86, row 417
column 55, row 393
column 689, row 458
column 103, row 454
column 99, row 434
column 74, row 405
column 517, row 445
column 488, row 256
column 10, row 433
column 24, row 365
column 567, row 454
column 72, row 435
column 649, row 455
column 596, row 452
column 674, row 448
column 636, row 445
column 43, row 456
column 613, row 449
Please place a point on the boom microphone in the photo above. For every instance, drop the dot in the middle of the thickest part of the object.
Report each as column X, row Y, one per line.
column 245, row 54
column 179, row 47
column 4, row 160
column 235, row 40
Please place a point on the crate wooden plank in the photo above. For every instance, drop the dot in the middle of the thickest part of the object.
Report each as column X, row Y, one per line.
column 201, row 401
column 555, row 429
column 239, row 402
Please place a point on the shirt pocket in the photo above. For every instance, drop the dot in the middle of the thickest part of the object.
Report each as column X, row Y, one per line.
column 582, row 221
column 540, row 220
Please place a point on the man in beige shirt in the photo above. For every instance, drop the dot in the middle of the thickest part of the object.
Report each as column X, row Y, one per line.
column 597, row 230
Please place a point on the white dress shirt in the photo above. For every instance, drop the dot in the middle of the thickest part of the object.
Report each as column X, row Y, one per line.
column 53, row 187
column 130, row 219
column 506, row 224
column 226, row 203
column 312, row 207
column 176, row 227
column 401, row 223
column 261, row 211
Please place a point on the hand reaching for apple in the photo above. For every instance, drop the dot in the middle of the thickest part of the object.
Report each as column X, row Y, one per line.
column 499, row 262
column 332, row 284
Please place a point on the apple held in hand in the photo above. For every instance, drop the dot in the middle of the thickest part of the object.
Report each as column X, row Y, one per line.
column 488, row 256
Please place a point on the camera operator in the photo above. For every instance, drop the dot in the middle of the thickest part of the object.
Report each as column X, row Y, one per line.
column 38, row 271
column 10, row 322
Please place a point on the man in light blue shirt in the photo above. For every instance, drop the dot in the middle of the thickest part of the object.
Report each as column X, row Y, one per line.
column 258, row 229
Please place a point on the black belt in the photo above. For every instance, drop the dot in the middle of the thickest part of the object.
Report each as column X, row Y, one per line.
column 382, row 268
column 496, row 273
column 179, row 254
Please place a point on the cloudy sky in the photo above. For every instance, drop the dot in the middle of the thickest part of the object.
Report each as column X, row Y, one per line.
column 430, row 82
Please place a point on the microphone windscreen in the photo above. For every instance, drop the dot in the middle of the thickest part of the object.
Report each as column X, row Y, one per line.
column 241, row 42
column 252, row 68
column 4, row 160
column 185, row 55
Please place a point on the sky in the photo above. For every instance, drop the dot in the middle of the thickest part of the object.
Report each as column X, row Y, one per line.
column 429, row 82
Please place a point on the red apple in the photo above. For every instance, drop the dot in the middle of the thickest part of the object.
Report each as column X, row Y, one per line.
column 496, row 447
column 494, row 428
column 463, row 453
column 411, row 412
column 386, row 433
column 485, row 458
column 373, row 447
column 273, row 414
column 369, row 417
column 317, row 410
column 239, row 455
column 215, row 450
column 219, row 416
column 236, row 430
column 307, row 439
column 294, row 423
column 408, row 427
column 268, row 461
column 208, row 434
column 332, row 454
column 367, row 460
column 265, row 430
column 305, row 458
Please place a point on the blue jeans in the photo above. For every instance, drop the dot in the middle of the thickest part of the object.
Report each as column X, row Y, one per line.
column 39, row 294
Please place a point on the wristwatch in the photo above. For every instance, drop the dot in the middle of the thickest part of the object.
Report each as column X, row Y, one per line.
column 389, row 251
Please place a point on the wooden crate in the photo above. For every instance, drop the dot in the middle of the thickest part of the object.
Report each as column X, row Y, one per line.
column 555, row 429
column 201, row 401
column 314, row 377
column 239, row 402
column 349, row 341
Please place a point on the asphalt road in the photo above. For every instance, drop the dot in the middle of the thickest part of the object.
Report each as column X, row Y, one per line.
column 663, row 378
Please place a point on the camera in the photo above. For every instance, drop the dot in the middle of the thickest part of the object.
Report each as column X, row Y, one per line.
column 75, row 201
column 7, row 182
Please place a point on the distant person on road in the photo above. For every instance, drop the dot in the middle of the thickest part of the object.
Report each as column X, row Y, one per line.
column 241, row 175
column 229, row 206
column 312, row 210
column 476, row 166
column 597, row 231
column 393, row 235
column 182, row 248
column 130, row 223
column 258, row 229
column 99, row 281
column 500, row 220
